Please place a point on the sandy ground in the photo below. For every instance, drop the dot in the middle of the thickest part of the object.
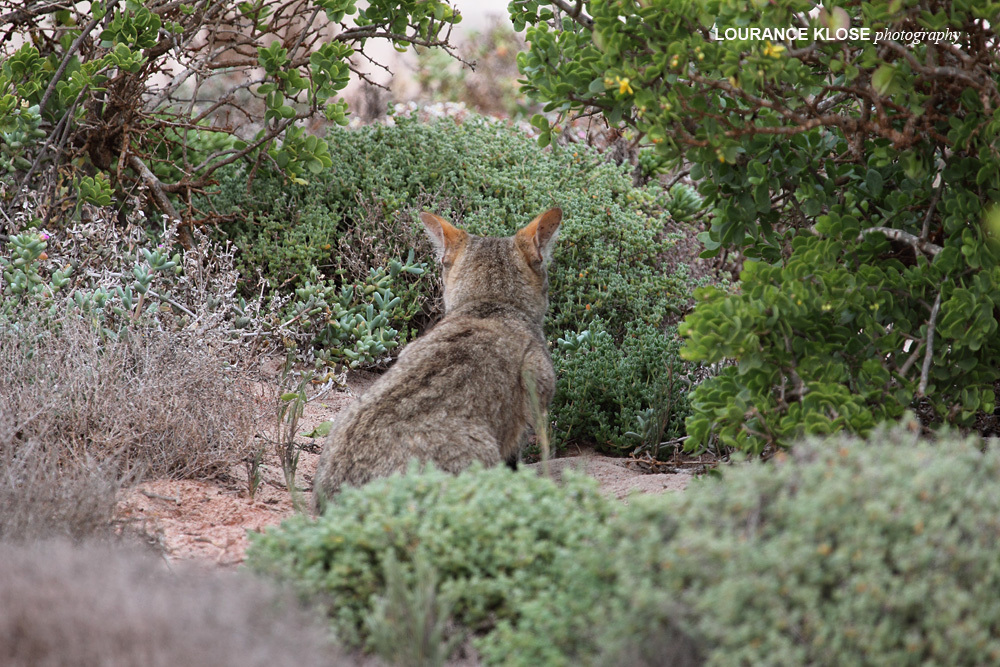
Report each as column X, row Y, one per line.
column 209, row 521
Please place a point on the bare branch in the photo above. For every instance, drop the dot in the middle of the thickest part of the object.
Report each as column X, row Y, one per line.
column 155, row 187
column 929, row 352
column 25, row 14
column 173, row 303
column 918, row 244
column 925, row 230
column 912, row 358
column 210, row 168
column 575, row 13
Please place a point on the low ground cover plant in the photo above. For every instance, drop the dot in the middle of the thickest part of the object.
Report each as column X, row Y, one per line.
column 494, row 540
column 620, row 394
column 843, row 551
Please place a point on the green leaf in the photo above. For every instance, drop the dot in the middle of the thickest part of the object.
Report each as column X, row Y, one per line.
column 321, row 431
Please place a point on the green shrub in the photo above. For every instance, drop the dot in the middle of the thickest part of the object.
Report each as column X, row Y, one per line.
column 497, row 540
column 490, row 179
column 607, row 608
column 487, row 177
column 858, row 177
column 845, row 553
column 159, row 142
column 534, row 570
column 621, row 395
column 841, row 552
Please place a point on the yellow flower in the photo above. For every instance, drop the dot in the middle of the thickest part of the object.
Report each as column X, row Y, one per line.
column 623, row 86
column 773, row 50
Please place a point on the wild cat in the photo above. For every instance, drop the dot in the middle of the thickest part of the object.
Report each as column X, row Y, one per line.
column 460, row 393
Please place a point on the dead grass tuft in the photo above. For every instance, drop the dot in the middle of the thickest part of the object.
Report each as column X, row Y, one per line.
column 97, row 605
column 41, row 495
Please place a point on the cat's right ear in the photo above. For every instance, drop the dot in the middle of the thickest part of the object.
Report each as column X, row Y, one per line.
column 537, row 238
column 448, row 239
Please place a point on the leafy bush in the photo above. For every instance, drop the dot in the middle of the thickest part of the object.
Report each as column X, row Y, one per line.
column 497, row 541
column 841, row 552
column 409, row 624
column 489, row 178
column 620, row 395
column 533, row 570
column 607, row 608
column 844, row 552
column 176, row 114
column 859, row 176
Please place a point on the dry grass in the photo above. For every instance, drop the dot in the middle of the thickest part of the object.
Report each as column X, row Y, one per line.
column 155, row 403
column 83, row 414
column 40, row 495
column 94, row 605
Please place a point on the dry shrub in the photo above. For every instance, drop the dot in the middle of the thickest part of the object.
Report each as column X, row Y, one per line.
column 157, row 404
column 40, row 496
column 95, row 605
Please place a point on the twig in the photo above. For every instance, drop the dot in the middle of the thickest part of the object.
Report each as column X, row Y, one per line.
column 62, row 127
column 24, row 14
column 209, row 169
column 170, row 301
column 929, row 353
column 575, row 13
column 150, row 494
column 912, row 358
column 677, row 178
column 933, row 72
column 925, row 230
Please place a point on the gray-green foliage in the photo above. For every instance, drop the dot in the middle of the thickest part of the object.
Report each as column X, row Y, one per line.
column 354, row 323
column 20, row 269
column 497, row 540
column 29, row 290
column 846, row 552
column 488, row 178
column 409, row 623
column 878, row 552
column 619, row 394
